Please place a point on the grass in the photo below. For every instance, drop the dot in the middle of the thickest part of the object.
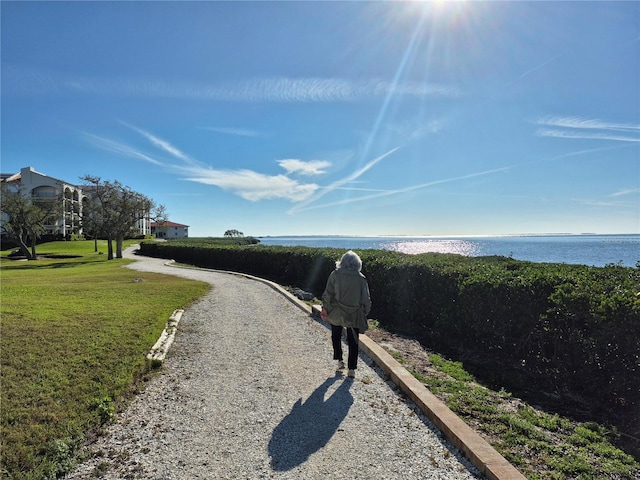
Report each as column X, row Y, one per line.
column 540, row 444
column 75, row 332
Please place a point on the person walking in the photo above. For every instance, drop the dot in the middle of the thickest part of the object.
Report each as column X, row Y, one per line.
column 346, row 304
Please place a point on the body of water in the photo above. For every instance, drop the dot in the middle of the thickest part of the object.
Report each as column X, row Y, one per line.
column 595, row 250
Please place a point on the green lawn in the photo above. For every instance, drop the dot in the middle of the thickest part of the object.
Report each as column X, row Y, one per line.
column 75, row 332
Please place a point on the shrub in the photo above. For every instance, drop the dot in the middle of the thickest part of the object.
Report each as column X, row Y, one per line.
column 568, row 330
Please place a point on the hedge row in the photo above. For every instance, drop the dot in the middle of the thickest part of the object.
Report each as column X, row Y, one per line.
column 569, row 331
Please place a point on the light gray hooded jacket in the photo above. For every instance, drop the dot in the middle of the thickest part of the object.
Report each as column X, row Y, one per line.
column 346, row 299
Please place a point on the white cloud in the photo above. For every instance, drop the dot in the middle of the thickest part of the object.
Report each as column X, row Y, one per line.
column 414, row 129
column 583, row 128
column 248, row 184
column 22, row 81
column 602, row 203
column 314, row 167
column 324, row 191
column 626, row 191
column 120, row 148
column 252, row 185
column 585, row 123
column 240, row 132
column 292, row 90
column 585, row 135
column 161, row 144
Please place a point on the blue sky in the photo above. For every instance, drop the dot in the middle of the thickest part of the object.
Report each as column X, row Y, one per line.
column 349, row 118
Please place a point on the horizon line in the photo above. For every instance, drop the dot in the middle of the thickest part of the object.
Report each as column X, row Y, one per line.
column 465, row 235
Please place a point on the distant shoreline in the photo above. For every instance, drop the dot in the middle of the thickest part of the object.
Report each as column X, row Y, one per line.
column 500, row 235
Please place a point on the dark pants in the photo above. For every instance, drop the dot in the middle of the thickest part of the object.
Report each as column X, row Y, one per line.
column 352, row 342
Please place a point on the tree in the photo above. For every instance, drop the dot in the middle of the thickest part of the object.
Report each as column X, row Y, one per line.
column 27, row 217
column 92, row 219
column 114, row 211
column 233, row 233
column 97, row 211
column 133, row 208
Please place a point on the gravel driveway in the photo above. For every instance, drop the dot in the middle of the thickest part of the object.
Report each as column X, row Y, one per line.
column 249, row 390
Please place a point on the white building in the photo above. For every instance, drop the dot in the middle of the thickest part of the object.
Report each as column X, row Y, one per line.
column 169, row 230
column 38, row 185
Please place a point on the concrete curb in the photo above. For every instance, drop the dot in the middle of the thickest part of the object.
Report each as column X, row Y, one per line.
column 483, row 456
column 159, row 351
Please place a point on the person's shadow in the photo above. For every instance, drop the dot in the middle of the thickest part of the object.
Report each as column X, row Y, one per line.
column 309, row 425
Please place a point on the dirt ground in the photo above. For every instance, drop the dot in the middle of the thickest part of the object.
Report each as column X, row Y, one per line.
column 411, row 351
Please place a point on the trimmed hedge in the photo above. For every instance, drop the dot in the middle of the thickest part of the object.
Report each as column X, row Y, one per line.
column 565, row 332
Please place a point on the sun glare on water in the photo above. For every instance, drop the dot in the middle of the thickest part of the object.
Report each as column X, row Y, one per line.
column 461, row 247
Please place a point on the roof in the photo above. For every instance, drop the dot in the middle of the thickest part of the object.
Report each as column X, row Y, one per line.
column 167, row 224
column 9, row 177
column 13, row 177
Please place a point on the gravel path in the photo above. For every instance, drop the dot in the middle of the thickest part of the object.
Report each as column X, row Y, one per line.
column 249, row 390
